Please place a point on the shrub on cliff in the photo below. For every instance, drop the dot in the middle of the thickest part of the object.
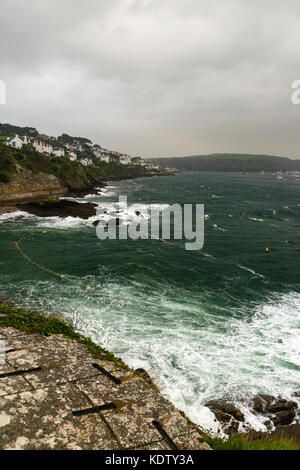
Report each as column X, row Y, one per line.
column 4, row 177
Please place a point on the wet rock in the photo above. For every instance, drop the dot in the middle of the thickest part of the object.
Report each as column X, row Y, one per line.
column 281, row 405
column 59, row 208
column 222, row 417
column 227, row 408
column 284, row 418
column 274, row 412
column 261, row 401
column 268, row 424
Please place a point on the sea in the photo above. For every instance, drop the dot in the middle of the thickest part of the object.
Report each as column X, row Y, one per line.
column 222, row 322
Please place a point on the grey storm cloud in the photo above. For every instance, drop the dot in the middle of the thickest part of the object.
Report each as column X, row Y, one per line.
column 155, row 77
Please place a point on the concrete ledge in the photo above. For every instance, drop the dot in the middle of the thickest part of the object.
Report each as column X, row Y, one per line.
column 56, row 378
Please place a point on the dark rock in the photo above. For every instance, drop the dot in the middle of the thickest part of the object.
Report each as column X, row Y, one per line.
column 268, row 399
column 275, row 411
column 59, row 208
column 284, row 418
column 268, row 424
column 222, row 417
column 261, row 401
column 233, row 427
column 137, row 213
column 257, row 404
column 226, row 408
column 281, row 405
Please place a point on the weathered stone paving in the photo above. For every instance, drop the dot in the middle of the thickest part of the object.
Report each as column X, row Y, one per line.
column 55, row 395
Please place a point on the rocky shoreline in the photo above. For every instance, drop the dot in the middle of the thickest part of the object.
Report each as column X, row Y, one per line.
column 44, row 201
column 275, row 413
column 59, row 208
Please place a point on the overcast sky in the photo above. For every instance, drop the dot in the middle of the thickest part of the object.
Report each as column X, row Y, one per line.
column 155, row 77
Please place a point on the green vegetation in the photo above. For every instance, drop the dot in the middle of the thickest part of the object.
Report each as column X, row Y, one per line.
column 4, row 177
column 72, row 175
column 33, row 322
column 67, row 139
column 244, row 442
column 9, row 129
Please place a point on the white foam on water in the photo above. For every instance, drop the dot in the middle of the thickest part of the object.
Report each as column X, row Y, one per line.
column 256, row 219
column 127, row 213
column 13, row 215
column 89, row 196
column 250, row 271
column 107, row 191
column 220, row 229
column 65, row 223
column 74, row 199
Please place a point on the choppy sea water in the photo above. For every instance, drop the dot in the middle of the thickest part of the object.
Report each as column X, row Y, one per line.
column 223, row 322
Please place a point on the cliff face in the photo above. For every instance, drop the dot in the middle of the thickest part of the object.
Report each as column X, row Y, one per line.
column 26, row 186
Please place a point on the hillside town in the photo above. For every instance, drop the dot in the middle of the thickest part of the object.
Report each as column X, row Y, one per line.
column 75, row 149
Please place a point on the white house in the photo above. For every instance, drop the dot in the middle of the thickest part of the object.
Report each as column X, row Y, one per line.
column 138, row 161
column 149, row 166
column 125, row 160
column 104, row 158
column 58, row 151
column 41, row 146
column 97, row 151
column 17, row 142
column 86, row 161
column 72, row 155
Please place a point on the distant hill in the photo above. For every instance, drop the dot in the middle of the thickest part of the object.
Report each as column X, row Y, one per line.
column 10, row 130
column 230, row 162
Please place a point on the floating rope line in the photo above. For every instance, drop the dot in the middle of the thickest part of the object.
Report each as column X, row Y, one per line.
column 60, row 276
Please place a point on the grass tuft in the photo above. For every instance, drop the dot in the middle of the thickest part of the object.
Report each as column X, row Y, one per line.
column 34, row 322
column 242, row 442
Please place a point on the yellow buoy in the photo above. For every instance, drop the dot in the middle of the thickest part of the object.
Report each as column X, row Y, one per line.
column 267, row 250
